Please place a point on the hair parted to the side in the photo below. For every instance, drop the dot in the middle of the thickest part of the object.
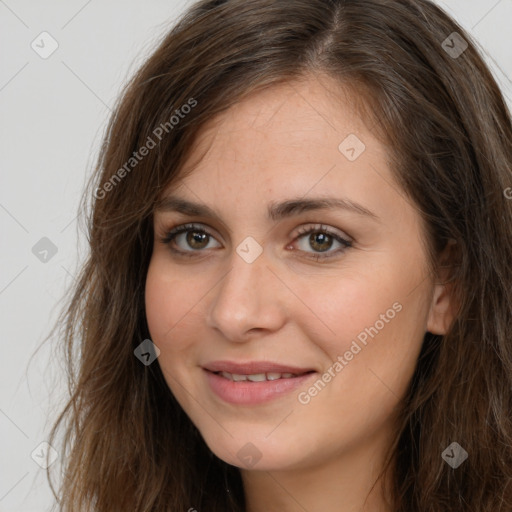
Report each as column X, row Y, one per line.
column 127, row 444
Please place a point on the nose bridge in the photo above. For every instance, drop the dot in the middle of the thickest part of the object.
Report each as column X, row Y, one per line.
column 248, row 296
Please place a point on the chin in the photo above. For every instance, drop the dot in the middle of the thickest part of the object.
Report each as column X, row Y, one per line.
column 256, row 452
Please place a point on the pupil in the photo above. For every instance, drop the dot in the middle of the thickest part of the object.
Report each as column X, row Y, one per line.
column 321, row 236
column 196, row 237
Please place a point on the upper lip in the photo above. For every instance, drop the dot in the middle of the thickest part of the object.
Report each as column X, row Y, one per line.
column 254, row 367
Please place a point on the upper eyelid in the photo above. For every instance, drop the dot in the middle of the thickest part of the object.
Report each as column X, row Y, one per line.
column 307, row 226
column 203, row 226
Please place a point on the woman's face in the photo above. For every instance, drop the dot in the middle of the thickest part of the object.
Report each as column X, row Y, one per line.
column 343, row 309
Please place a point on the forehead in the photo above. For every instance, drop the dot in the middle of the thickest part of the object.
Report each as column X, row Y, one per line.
column 280, row 132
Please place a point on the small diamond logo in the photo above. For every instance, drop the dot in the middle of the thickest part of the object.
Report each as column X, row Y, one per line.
column 147, row 352
column 44, row 455
column 351, row 147
column 249, row 249
column 249, row 455
column 44, row 45
column 454, row 455
column 454, row 45
column 44, row 250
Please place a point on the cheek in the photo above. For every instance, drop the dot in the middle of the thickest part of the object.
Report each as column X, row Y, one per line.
column 341, row 309
column 171, row 316
column 169, row 304
column 370, row 320
column 159, row 303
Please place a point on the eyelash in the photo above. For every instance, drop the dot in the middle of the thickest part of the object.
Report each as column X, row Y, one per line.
column 173, row 233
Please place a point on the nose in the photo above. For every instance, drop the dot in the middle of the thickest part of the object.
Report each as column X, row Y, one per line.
column 249, row 298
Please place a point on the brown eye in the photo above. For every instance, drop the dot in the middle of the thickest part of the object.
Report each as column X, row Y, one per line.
column 196, row 239
column 189, row 238
column 321, row 239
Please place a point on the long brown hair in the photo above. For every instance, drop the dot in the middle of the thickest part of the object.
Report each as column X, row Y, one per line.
column 127, row 444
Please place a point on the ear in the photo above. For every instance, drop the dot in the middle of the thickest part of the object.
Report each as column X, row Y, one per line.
column 443, row 306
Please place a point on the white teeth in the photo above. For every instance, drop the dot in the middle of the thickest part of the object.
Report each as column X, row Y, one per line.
column 257, row 377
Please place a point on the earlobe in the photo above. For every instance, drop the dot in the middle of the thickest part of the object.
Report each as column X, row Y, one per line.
column 443, row 308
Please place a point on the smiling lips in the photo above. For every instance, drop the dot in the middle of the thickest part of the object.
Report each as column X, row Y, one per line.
column 255, row 371
column 256, row 377
column 254, row 367
column 254, row 382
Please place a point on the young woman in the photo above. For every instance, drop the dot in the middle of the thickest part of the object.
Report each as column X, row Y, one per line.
column 299, row 292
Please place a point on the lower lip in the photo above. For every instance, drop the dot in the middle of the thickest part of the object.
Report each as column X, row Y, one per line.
column 252, row 393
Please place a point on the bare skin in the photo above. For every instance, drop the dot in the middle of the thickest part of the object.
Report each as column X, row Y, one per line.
column 323, row 452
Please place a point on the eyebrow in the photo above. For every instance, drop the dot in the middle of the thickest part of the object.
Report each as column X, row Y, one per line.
column 276, row 210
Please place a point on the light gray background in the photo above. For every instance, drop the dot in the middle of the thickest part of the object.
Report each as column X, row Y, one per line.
column 53, row 112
